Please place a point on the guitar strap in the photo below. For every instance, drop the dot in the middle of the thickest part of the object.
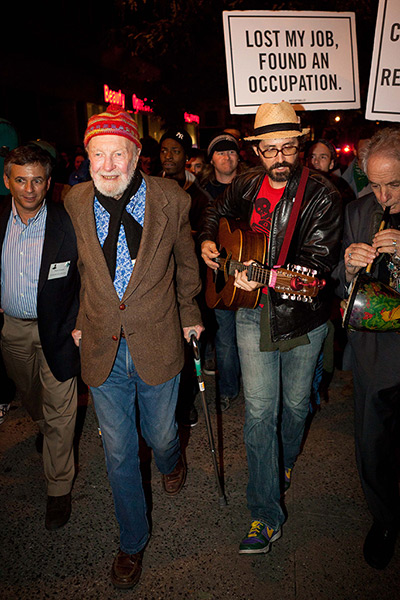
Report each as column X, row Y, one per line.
column 293, row 217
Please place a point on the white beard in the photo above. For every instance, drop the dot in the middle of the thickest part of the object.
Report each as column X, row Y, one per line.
column 113, row 188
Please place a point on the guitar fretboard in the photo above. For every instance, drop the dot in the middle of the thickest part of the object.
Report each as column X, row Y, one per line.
column 255, row 272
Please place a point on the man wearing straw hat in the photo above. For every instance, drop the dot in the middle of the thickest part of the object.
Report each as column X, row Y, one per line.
column 374, row 356
column 279, row 341
column 139, row 277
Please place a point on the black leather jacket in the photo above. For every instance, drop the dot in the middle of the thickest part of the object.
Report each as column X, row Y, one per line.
column 315, row 243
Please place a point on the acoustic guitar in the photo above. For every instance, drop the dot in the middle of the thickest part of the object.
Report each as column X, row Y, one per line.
column 237, row 244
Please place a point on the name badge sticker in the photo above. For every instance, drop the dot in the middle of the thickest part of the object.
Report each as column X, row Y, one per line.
column 58, row 270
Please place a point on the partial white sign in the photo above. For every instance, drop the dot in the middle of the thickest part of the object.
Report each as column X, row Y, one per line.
column 306, row 58
column 383, row 101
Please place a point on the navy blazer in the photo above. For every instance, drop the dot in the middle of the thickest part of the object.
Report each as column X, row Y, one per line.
column 57, row 299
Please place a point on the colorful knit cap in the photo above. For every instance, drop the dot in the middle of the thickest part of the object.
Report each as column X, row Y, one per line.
column 114, row 121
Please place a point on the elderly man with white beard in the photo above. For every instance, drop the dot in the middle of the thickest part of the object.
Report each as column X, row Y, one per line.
column 374, row 355
column 139, row 279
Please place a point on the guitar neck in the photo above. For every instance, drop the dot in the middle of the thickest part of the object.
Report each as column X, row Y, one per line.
column 297, row 281
column 255, row 272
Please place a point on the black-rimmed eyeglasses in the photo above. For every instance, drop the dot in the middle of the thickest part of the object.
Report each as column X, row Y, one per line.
column 272, row 152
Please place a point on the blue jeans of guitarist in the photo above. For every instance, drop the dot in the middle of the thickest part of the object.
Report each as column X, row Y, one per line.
column 227, row 353
column 277, row 387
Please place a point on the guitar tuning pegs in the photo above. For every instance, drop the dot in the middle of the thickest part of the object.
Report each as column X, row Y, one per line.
column 284, row 296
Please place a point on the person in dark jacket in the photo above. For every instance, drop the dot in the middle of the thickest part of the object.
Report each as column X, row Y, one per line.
column 279, row 341
column 224, row 166
column 175, row 147
column 374, row 356
column 322, row 157
column 39, row 305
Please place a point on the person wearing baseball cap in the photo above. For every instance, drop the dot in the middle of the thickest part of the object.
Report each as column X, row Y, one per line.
column 279, row 340
column 136, row 257
column 175, row 147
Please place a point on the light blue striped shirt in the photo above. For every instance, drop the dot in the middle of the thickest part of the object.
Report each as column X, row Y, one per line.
column 124, row 263
column 20, row 263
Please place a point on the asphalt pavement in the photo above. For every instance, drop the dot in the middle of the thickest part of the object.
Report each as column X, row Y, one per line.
column 193, row 550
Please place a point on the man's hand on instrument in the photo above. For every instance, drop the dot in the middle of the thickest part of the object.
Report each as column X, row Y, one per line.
column 387, row 240
column 357, row 256
column 209, row 253
column 197, row 329
column 243, row 283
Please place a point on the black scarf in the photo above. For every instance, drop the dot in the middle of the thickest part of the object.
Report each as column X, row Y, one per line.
column 118, row 215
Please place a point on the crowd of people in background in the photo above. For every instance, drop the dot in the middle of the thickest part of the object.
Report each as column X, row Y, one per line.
column 135, row 223
column 71, row 166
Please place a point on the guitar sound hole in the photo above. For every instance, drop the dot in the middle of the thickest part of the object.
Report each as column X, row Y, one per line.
column 222, row 253
column 219, row 281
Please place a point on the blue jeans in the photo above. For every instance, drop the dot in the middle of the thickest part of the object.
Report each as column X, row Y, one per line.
column 274, row 382
column 227, row 353
column 115, row 405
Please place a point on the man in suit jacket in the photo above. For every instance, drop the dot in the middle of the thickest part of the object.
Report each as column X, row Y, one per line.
column 139, row 278
column 39, row 302
column 374, row 356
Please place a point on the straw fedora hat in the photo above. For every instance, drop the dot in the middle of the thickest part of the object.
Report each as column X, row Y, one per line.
column 276, row 121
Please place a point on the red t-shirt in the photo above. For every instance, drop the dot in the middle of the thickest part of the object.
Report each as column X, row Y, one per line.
column 267, row 198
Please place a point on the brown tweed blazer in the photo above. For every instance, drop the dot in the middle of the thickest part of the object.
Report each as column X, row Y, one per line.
column 159, row 299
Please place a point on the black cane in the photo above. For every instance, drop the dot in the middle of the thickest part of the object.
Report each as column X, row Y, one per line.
column 202, row 388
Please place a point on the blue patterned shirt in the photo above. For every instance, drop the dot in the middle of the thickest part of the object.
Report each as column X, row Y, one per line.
column 124, row 264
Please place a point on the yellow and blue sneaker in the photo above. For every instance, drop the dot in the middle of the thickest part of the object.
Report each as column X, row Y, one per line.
column 288, row 478
column 259, row 539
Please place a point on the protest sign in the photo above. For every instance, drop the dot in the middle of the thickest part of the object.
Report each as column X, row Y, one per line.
column 306, row 58
column 383, row 101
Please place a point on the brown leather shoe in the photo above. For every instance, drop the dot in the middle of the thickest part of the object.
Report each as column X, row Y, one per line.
column 58, row 511
column 174, row 481
column 126, row 570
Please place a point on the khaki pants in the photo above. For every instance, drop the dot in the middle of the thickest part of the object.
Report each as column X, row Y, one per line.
column 51, row 403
